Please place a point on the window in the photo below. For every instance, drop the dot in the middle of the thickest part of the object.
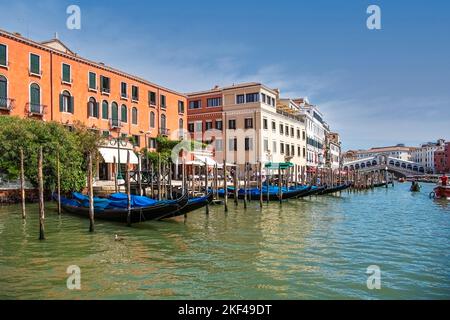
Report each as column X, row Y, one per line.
column 199, row 126
column 105, row 84
column 115, row 111
column 274, row 126
column 292, row 132
column 136, row 141
column 123, row 90
column 134, row 116
column 273, row 102
column 3, row 55
column 180, row 106
column 292, row 150
column 263, row 97
column 303, row 136
column 35, row 98
column 252, row 97
column 135, row 93
column 35, row 64
column 265, row 124
column 124, row 113
column 152, row 119
column 163, row 101
column 163, row 122
column 298, row 133
column 208, row 125
column 248, row 144
column 214, row 102
column 232, row 144
column 274, row 146
column 105, row 134
column 93, row 108
column 281, row 147
column 105, row 110
column 66, row 102
column 281, row 128
column 3, row 91
column 266, row 145
column 299, row 151
column 219, row 124
column 304, row 152
column 287, row 130
column 197, row 104
column 191, row 127
column 248, row 123
column 180, row 124
column 218, row 144
column 66, row 73
column 92, row 81
column 240, row 98
column 153, row 143
column 232, row 124
column 152, row 98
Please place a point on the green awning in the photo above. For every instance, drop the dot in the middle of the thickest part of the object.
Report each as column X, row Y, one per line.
column 278, row 165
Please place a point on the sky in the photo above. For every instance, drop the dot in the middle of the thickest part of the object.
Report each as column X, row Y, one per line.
column 375, row 87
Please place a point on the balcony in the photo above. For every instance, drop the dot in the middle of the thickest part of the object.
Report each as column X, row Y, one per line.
column 34, row 109
column 164, row 132
column 6, row 104
column 115, row 124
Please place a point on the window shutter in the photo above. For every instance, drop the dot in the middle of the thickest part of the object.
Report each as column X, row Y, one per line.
column 71, row 105
column 61, row 103
column 3, row 55
column 89, row 111
column 97, row 110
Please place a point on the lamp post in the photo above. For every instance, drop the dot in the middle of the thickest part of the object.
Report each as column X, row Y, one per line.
column 386, row 176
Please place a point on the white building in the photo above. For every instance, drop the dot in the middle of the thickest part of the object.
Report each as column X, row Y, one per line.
column 425, row 154
column 399, row 151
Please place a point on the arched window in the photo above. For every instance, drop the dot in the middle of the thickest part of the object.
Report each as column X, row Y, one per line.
column 163, row 121
column 152, row 119
column 3, row 90
column 35, row 98
column 134, row 115
column 66, row 102
column 105, row 110
column 180, row 128
column 93, row 108
column 114, row 111
column 124, row 113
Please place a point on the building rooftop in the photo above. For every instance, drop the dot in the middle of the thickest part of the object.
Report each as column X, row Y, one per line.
column 218, row 89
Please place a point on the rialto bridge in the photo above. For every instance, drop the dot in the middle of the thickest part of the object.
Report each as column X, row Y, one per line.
column 383, row 162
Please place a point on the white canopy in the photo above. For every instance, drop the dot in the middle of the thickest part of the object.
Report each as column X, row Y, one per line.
column 108, row 155
column 204, row 159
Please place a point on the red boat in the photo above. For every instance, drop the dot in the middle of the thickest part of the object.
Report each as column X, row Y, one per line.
column 442, row 191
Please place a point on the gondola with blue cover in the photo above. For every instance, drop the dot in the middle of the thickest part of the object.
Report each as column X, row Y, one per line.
column 115, row 208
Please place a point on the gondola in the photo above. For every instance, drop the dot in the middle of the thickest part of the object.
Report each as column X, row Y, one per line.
column 192, row 205
column 271, row 195
column 115, row 212
column 381, row 184
column 313, row 191
column 330, row 190
column 415, row 187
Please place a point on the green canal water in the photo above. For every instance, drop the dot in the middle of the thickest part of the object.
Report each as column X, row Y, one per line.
column 314, row 248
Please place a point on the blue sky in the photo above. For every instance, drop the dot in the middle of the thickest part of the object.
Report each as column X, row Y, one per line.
column 379, row 87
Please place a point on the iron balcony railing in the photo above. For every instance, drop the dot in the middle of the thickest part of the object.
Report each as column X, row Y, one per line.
column 35, row 109
column 164, row 131
column 115, row 123
column 6, row 104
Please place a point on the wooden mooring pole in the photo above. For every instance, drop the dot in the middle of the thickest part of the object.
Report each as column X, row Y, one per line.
column 91, row 193
column 22, row 184
column 206, row 186
column 225, row 187
column 41, row 197
column 128, row 190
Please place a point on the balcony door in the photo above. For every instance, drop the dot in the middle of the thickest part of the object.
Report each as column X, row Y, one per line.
column 3, row 92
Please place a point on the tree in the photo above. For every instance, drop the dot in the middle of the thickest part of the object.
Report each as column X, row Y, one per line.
column 72, row 146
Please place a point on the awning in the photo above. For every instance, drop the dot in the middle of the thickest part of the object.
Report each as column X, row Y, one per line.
column 108, row 155
column 281, row 165
column 204, row 159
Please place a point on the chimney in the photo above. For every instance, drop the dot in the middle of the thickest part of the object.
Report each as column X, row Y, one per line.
column 56, row 35
column 17, row 34
column 216, row 87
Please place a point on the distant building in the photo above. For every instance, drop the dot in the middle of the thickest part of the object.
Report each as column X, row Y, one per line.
column 333, row 151
column 442, row 159
column 399, row 151
column 425, row 154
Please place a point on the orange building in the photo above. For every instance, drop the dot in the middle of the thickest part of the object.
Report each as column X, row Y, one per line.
column 50, row 82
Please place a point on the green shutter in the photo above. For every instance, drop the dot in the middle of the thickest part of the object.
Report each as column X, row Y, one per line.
column 71, row 105
column 124, row 112
column 3, row 86
column 92, row 81
column 35, row 64
column 61, row 103
column 66, row 73
column 114, row 112
column 105, row 110
column 96, row 110
column 2, row 54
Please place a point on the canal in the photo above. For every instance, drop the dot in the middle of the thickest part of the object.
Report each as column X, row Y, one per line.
column 318, row 248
